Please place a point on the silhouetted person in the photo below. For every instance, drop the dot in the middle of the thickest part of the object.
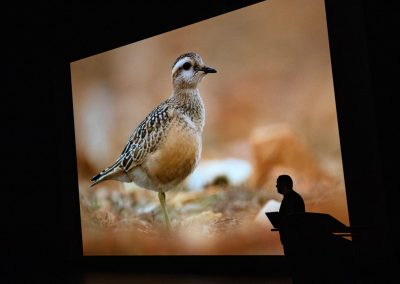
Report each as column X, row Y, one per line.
column 292, row 201
column 313, row 256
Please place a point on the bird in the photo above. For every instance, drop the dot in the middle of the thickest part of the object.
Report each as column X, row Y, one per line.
column 166, row 146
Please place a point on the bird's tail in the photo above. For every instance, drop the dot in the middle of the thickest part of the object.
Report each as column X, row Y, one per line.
column 97, row 179
column 106, row 174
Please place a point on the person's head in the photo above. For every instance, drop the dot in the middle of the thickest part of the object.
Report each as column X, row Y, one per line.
column 284, row 184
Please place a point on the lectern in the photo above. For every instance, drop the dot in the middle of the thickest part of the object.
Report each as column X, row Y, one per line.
column 317, row 246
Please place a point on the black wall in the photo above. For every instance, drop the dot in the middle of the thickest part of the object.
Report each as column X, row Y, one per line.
column 37, row 151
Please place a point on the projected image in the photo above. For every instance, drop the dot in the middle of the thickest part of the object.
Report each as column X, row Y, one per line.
column 180, row 137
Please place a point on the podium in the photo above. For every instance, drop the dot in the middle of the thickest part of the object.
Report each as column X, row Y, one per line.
column 317, row 246
column 310, row 226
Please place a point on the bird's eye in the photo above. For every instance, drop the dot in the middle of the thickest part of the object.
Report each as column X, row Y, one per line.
column 186, row 66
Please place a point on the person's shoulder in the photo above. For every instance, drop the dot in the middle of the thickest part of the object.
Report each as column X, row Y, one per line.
column 295, row 193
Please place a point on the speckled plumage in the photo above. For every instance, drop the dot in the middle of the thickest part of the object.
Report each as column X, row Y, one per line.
column 166, row 146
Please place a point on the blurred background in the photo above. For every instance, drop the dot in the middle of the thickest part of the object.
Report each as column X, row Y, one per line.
column 270, row 110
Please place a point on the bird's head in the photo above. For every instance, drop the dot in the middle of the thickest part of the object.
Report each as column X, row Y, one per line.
column 188, row 70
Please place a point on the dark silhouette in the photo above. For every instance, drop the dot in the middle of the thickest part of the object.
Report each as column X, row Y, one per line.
column 313, row 243
column 292, row 203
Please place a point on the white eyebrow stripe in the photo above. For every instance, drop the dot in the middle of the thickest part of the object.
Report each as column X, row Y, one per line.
column 180, row 63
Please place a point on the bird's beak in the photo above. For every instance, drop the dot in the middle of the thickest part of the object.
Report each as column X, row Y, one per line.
column 207, row 69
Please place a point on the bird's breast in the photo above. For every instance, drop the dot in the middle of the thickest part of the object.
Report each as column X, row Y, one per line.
column 177, row 157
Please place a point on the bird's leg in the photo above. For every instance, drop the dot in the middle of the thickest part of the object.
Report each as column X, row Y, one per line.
column 161, row 196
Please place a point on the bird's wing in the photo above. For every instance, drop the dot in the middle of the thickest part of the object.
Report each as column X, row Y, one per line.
column 146, row 137
column 144, row 140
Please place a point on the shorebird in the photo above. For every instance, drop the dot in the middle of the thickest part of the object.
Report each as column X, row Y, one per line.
column 166, row 146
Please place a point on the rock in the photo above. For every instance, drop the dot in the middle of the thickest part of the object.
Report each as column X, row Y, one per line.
column 278, row 146
column 271, row 206
column 222, row 172
column 279, row 150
